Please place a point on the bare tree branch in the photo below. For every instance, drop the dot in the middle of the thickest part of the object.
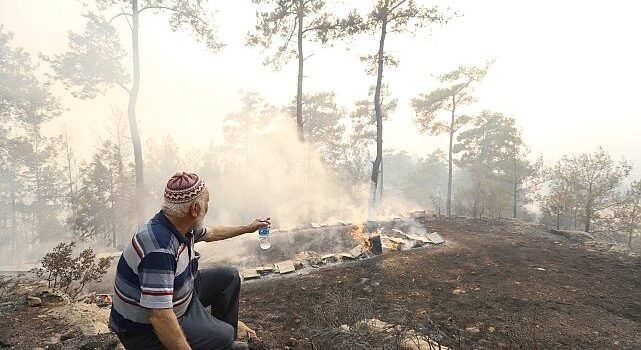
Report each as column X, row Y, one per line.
column 127, row 18
column 187, row 14
column 118, row 15
column 396, row 6
column 124, row 87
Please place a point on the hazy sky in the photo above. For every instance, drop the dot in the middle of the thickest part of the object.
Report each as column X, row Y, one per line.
column 568, row 71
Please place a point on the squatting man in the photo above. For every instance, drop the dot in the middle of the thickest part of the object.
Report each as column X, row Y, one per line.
column 161, row 296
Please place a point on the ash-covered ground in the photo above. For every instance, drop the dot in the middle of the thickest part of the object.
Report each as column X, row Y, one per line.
column 493, row 285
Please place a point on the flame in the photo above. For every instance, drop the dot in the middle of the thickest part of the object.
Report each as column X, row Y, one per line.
column 360, row 236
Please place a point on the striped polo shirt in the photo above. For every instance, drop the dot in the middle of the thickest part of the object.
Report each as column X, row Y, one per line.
column 155, row 271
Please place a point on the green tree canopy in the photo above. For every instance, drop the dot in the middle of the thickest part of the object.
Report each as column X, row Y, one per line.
column 591, row 179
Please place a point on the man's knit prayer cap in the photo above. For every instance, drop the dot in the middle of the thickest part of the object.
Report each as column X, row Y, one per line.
column 184, row 187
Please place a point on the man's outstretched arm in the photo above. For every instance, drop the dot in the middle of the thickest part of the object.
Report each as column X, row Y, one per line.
column 167, row 329
column 218, row 233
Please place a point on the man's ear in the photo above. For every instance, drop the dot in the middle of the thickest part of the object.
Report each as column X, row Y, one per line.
column 193, row 209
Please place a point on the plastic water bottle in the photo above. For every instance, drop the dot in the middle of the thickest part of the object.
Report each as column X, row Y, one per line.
column 263, row 237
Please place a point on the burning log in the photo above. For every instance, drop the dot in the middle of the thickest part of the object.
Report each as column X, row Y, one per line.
column 358, row 251
column 375, row 245
column 359, row 235
column 372, row 243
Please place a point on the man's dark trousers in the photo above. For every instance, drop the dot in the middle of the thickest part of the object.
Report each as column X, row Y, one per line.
column 216, row 287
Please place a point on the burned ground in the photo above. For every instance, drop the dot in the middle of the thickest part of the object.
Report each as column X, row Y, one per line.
column 491, row 286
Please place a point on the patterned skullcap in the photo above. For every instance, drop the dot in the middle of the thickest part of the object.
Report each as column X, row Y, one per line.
column 183, row 187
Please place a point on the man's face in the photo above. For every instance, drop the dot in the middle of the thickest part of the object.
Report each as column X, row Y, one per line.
column 200, row 216
column 206, row 195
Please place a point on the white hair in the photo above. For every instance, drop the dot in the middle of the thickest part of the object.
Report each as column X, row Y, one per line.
column 180, row 210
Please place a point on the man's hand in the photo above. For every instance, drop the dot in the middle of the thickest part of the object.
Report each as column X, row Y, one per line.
column 167, row 329
column 258, row 224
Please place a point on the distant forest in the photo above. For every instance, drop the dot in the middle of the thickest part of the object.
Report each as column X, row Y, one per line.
column 48, row 194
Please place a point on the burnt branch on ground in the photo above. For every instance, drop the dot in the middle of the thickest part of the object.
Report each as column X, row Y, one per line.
column 341, row 307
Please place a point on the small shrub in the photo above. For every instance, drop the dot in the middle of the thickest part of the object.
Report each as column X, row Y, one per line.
column 7, row 284
column 71, row 274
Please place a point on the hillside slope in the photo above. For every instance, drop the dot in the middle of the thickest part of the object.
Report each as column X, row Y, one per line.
column 493, row 286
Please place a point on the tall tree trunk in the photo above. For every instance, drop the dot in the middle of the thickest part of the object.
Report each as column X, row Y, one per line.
column 4, row 209
column 118, row 188
column 299, row 90
column 14, row 221
column 380, row 183
column 633, row 218
column 516, row 188
column 121, row 165
column 449, row 175
column 72, row 195
column 299, row 103
column 112, row 200
column 515, row 199
column 37, row 206
column 516, row 180
column 247, row 139
column 558, row 218
column 376, row 165
column 131, row 113
column 588, row 210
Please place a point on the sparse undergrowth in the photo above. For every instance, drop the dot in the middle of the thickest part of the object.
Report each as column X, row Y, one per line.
column 71, row 274
column 7, row 284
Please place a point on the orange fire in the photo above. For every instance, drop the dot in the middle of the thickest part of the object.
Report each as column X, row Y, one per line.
column 360, row 236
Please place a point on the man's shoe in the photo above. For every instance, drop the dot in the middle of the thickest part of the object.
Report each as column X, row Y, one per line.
column 239, row 345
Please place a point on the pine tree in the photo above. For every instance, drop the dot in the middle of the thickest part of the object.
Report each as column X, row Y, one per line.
column 31, row 181
column 94, row 65
column 460, row 83
column 105, row 197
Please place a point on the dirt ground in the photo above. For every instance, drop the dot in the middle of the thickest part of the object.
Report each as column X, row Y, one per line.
column 491, row 286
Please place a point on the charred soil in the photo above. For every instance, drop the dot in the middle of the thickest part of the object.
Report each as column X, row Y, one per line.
column 493, row 285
